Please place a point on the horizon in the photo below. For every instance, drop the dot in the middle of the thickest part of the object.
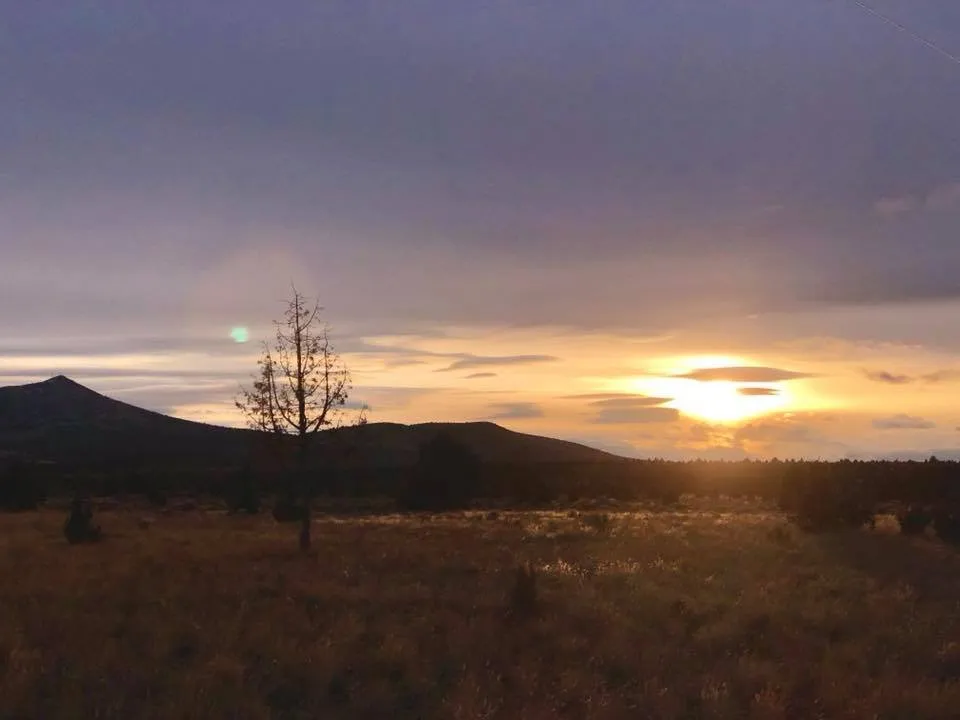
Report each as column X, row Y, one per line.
column 944, row 455
column 681, row 231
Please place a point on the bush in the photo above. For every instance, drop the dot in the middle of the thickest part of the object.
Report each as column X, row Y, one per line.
column 914, row 520
column 78, row 527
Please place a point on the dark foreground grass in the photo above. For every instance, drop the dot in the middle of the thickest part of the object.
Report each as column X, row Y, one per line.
column 696, row 613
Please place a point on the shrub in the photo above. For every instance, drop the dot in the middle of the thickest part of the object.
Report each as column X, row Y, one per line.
column 914, row 520
column 78, row 527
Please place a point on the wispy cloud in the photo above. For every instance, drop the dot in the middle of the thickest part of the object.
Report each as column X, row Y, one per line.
column 394, row 356
column 743, row 374
column 479, row 375
column 515, row 411
column 891, row 378
column 403, row 362
column 467, row 361
column 777, row 429
column 942, row 376
column 394, row 398
column 594, row 396
column 629, row 401
column 903, row 422
column 81, row 373
column 944, row 197
column 626, row 408
column 888, row 378
column 758, row 391
column 939, row 198
column 891, row 206
column 79, row 348
column 619, row 415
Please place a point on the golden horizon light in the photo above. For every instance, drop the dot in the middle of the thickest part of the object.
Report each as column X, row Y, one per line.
column 715, row 401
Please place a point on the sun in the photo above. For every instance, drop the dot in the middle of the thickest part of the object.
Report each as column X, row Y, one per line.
column 724, row 402
column 720, row 402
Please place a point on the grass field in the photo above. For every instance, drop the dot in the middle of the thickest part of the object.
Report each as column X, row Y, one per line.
column 705, row 611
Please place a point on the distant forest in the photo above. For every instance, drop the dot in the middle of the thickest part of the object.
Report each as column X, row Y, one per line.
column 448, row 475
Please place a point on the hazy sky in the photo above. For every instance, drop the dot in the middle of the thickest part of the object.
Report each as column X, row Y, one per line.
column 524, row 211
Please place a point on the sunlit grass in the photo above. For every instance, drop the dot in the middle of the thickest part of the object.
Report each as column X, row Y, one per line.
column 715, row 610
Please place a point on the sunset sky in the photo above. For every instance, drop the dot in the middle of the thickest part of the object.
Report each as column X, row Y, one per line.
column 685, row 229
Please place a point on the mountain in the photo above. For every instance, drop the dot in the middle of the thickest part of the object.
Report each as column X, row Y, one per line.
column 62, row 421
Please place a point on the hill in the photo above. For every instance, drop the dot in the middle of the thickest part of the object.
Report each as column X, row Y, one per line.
column 63, row 421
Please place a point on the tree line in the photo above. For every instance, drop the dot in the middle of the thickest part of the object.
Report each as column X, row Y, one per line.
column 300, row 392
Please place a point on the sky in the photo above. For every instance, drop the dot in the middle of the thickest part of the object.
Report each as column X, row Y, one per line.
column 693, row 228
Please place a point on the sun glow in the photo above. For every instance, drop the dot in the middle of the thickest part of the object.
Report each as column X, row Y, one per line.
column 723, row 402
column 717, row 401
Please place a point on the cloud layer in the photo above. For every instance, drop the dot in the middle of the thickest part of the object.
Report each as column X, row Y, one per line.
column 776, row 181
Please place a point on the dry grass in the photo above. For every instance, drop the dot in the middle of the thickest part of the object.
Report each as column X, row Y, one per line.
column 697, row 613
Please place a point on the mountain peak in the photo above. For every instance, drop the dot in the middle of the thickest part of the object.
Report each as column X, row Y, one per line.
column 60, row 380
column 61, row 385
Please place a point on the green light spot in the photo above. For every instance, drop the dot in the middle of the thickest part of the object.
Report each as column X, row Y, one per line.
column 240, row 334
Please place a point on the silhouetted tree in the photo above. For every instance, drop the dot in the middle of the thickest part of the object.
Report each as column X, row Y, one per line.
column 447, row 475
column 302, row 389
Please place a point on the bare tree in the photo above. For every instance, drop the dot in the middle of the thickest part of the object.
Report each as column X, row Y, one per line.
column 301, row 390
column 257, row 403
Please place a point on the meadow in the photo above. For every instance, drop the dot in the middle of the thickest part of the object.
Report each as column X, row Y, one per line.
column 711, row 609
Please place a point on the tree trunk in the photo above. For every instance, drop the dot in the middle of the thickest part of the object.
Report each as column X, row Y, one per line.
column 303, row 482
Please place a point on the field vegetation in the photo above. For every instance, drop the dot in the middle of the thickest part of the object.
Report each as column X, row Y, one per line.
column 708, row 608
